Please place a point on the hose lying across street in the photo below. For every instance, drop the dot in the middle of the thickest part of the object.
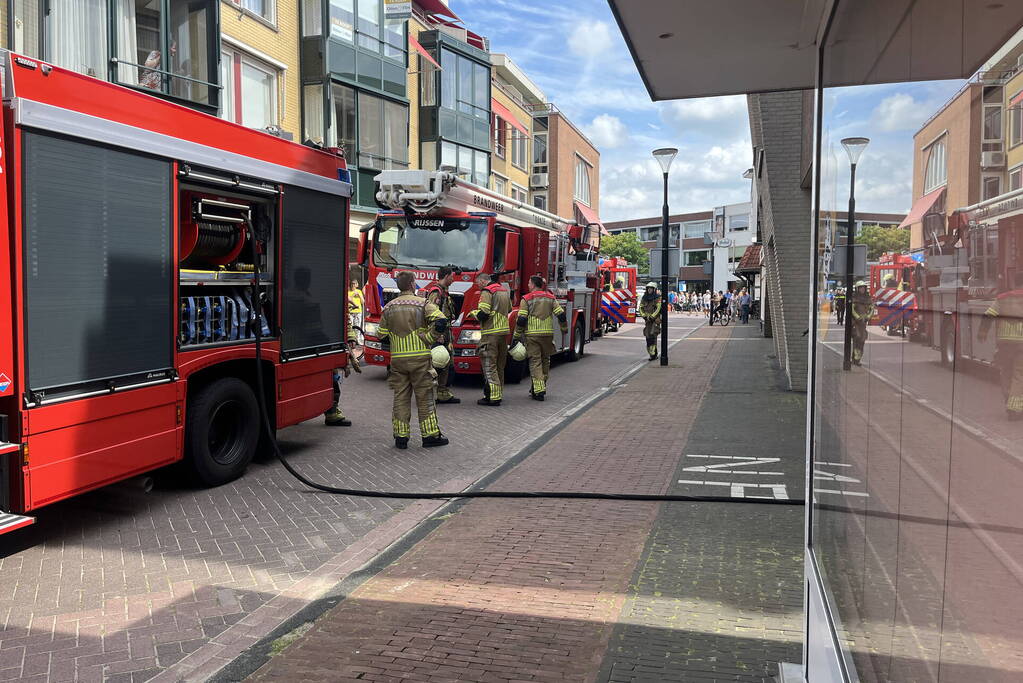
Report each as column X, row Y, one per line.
column 268, row 427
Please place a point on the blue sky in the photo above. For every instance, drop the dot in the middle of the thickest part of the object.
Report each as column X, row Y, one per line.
column 575, row 53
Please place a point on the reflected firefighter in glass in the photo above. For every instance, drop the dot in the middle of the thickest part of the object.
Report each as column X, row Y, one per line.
column 862, row 309
column 437, row 294
column 536, row 317
column 1006, row 313
column 650, row 311
column 413, row 326
column 492, row 313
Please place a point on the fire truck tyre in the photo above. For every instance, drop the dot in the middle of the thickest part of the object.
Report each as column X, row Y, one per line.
column 222, row 431
column 578, row 343
column 948, row 344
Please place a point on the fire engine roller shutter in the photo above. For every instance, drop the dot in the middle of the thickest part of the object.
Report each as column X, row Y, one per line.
column 314, row 252
column 97, row 263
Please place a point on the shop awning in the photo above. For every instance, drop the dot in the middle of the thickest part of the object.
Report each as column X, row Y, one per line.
column 750, row 261
column 1018, row 99
column 505, row 113
column 590, row 216
column 432, row 7
column 922, row 207
column 422, row 50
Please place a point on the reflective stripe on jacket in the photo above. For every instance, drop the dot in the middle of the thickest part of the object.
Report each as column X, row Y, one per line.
column 408, row 321
column 495, row 303
column 539, row 308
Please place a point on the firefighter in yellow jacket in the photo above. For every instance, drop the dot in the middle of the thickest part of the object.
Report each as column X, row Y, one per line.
column 437, row 294
column 413, row 326
column 492, row 313
column 537, row 312
column 650, row 311
column 1006, row 312
column 862, row 309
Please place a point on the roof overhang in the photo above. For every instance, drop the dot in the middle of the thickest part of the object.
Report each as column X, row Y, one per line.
column 696, row 48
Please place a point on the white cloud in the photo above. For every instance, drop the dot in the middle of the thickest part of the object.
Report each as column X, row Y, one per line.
column 607, row 132
column 590, row 39
column 899, row 112
column 706, row 109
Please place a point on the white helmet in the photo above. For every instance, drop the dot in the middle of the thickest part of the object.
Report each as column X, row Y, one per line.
column 441, row 357
column 517, row 351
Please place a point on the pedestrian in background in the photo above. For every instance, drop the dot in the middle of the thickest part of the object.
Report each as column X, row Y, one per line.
column 492, row 313
column 356, row 306
column 537, row 312
column 840, row 305
column 745, row 300
column 650, row 311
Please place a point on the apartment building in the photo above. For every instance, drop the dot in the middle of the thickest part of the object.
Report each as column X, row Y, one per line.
column 515, row 97
column 566, row 167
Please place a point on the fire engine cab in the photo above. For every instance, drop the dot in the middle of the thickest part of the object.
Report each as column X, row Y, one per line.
column 894, row 286
column 132, row 231
column 618, row 292
column 434, row 218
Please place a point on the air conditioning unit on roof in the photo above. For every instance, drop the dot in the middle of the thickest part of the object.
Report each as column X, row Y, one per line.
column 992, row 159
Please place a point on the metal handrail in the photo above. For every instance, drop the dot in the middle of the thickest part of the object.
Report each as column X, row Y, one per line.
column 115, row 60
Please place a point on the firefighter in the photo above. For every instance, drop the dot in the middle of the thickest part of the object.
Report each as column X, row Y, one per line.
column 536, row 322
column 414, row 326
column 335, row 417
column 650, row 311
column 437, row 294
column 840, row 304
column 861, row 308
column 1007, row 313
column 492, row 313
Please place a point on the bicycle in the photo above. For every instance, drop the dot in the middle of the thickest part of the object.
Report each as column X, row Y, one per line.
column 722, row 317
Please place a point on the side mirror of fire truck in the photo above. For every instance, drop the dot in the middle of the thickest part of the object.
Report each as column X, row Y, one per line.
column 360, row 254
column 511, row 251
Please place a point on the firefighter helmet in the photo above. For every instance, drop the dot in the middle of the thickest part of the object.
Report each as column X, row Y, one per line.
column 517, row 351
column 651, row 284
column 441, row 357
column 860, row 283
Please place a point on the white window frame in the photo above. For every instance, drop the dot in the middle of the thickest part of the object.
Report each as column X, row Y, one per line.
column 582, row 163
column 270, row 20
column 1015, row 123
column 937, row 147
column 738, row 215
column 983, row 122
column 544, row 197
column 500, row 137
column 259, row 60
column 519, row 193
column 519, row 148
column 1018, row 171
column 498, row 178
column 704, row 226
column 988, row 176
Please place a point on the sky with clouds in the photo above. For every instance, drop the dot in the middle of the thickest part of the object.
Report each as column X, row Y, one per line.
column 575, row 53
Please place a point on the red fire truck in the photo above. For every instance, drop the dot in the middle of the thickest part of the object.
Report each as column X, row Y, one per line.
column 134, row 227
column 435, row 219
column 618, row 292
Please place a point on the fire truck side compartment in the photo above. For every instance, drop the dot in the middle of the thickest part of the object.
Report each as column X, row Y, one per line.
column 98, row 264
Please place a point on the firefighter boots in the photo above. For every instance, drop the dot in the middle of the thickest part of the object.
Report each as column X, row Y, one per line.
column 487, row 402
column 434, row 440
column 401, row 442
column 449, row 399
column 335, row 418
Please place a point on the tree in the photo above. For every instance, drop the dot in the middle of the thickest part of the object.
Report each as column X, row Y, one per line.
column 628, row 246
column 880, row 239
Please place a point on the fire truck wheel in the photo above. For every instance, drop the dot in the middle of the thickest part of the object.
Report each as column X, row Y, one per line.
column 222, row 431
column 578, row 343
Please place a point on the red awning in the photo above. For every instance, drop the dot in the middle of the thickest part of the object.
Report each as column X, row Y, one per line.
column 1016, row 100
column 431, row 7
column 921, row 207
column 422, row 50
column 505, row 113
column 590, row 216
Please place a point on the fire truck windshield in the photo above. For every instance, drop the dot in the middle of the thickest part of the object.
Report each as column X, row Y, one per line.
column 434, row 242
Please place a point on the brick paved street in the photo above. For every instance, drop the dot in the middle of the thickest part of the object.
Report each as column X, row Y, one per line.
column 120, row 585
column 595, row 590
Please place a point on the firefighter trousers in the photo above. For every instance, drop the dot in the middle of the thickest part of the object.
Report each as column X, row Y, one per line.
column 444, row 380
column 859, row 338
column 651, row 329
column 1009, row 360
column 493, row 351
column 539, row 349
column 413, row 375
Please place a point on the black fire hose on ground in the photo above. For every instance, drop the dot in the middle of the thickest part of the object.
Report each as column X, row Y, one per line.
column 268, row 427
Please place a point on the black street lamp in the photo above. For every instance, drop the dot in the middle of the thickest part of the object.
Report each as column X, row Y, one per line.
column 664, row 156
column 854, row 148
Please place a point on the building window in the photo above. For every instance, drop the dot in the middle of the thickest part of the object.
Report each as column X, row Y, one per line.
column 695, row 257
column 1016, row 123
column 469, row 163
column 582, row 180
column 383, row 133
column 362, row 22
column 500, row 136
column 650, row 234
column 427, row 82
column 696, row 229
column 992, row 123
column 165, row 46
column 500, row 185
column 937, row 172
column 520, row 194
column 540, row 200
column 1016, row 178
column 264, row 9
column 739, row 222
column 735, row 254
column 540, row 153
column 250, row 90
column 465, row 85
column 519, row 145
column 991, row 186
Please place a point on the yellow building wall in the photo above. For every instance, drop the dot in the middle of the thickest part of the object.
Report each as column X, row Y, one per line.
column 281, row 42
column 1014, row 154
column 505, row 167
column 412, row 84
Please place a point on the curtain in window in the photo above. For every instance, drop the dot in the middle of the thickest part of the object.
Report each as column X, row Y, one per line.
column 26, row 27
column 258, row 87
column 76, row 30
column 312, row 106
column 396, row 132
column 127, row 41
column 371, row 135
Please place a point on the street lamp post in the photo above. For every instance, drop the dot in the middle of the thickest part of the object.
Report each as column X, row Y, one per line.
column 854, row 148
column 664, row 156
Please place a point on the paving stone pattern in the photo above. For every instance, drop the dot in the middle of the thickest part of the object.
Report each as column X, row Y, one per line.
column 520, row 590
column 121, row 586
